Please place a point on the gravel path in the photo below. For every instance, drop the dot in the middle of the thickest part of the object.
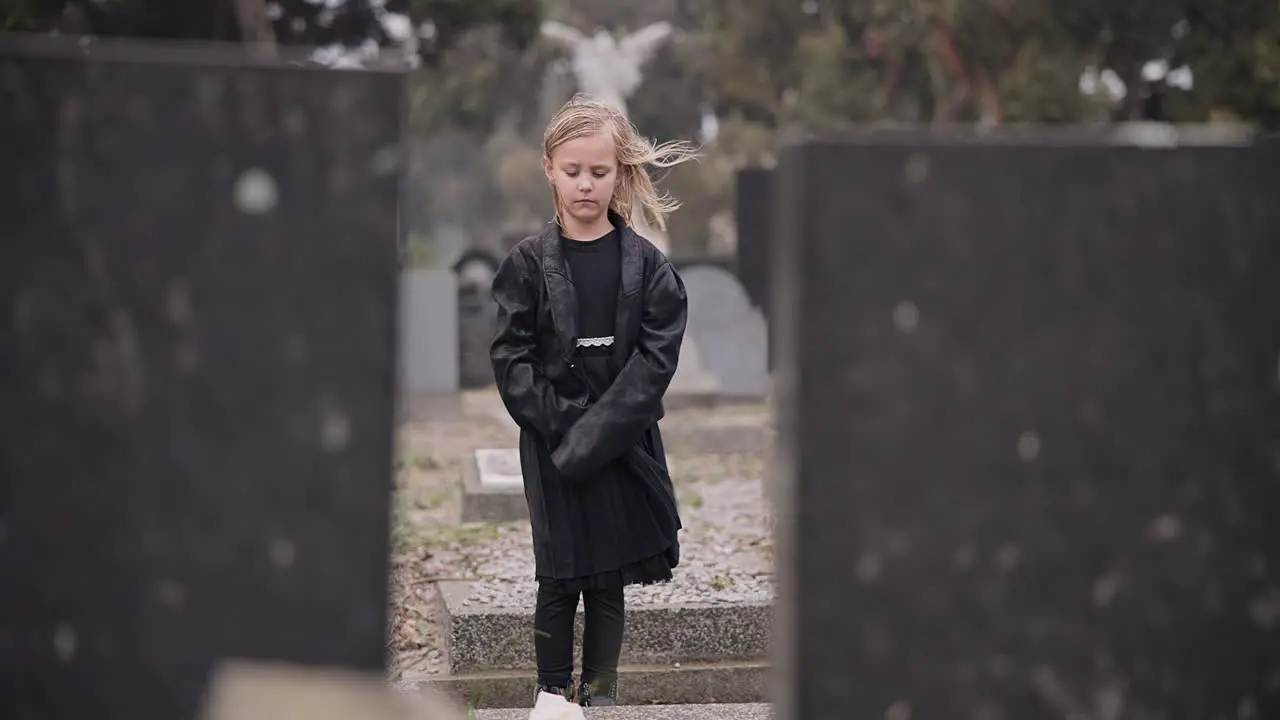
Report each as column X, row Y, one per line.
column 725, row 550
column 726, row 546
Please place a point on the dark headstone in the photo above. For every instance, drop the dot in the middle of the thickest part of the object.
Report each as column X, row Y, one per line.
column 755, row 201
column 1029, row 431
column 197, row 336
column 477, row 317
column 754, row 221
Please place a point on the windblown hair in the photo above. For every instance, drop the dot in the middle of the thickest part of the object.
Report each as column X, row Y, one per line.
column 583, row 116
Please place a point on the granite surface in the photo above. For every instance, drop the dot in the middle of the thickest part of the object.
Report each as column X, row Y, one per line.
column 489, row 503
column 718, row 433
column 1029, row 430
column 741, row 711
column 753, row 210
column 482, row 637
column 729, row 333
column 686, row 684
column 197, row 335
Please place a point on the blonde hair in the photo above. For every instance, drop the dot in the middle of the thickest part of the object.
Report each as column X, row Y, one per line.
column 583, row 116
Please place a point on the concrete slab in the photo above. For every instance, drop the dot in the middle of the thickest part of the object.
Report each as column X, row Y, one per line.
column 719, row 433
column 737, row 711
column 492, row 487
column 647, row 685
column 488, row 638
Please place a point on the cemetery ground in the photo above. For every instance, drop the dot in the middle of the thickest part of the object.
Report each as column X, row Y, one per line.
column 721, row 595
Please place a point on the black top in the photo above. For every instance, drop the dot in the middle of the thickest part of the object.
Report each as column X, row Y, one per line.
column 596, row 269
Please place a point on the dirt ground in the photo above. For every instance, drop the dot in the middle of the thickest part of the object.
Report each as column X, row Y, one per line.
column 427, row 510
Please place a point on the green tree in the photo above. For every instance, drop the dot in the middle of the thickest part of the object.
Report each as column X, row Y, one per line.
column 824, row 63
column 1234, row 51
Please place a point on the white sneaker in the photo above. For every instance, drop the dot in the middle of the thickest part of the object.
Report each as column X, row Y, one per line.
column 555, row 707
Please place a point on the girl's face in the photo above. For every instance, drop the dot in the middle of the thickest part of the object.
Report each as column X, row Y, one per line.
column 584, row 172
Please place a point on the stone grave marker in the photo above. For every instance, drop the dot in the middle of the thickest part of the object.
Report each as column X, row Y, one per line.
column 713, row 434
column 499, row 468
column 197, row 353
column 729, row 333
column 753, row 200
column 429, row 367
column 492, row 486
column 1029, row 430
column 754, row 219
column 693, row 384
column 477, row 317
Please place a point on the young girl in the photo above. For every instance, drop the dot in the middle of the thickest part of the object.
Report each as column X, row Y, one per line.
column 590, row 321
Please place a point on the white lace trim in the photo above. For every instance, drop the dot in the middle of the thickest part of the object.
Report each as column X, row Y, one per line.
column 596, row 341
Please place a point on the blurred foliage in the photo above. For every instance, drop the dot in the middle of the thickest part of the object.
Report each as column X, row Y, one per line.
column 768, row 67
column 434, row 25
column 761, row 68
column 480, row 83
column 811, row 63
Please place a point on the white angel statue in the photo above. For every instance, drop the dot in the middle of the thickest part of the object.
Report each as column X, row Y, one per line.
column 608, row 68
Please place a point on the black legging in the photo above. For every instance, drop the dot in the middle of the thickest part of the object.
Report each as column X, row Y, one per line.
column 601, row 636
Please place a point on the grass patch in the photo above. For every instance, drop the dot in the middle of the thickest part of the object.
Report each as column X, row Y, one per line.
column 408, row 535
column 721, row 582
column 711, row 468
column 417, row 461
column 411, row 499
column 689, row 498
column 435, row 497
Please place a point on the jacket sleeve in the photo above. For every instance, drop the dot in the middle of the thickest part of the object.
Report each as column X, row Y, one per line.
column 526, row 392
column 618, row 420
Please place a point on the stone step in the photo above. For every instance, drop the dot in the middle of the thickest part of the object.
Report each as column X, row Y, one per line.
column 716, row 434
column 483, row 637
column 738, row 711
column 688, row 684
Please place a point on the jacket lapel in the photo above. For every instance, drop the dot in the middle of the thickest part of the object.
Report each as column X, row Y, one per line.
column 630, row 297
column 561, row 295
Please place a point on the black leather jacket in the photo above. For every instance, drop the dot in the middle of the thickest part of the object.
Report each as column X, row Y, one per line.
column 577, row 457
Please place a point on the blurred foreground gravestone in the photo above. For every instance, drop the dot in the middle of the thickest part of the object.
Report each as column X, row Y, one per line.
column 271, row 691
column 1029, row 430
column 198, row 291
